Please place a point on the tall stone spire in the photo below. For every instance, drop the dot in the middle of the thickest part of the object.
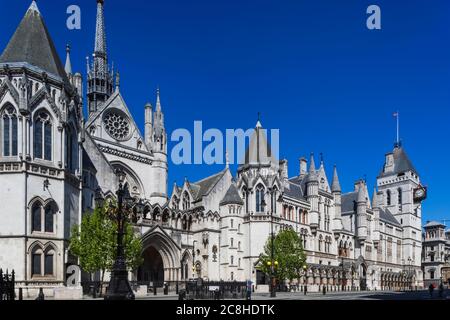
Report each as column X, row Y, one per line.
column 335, row 186
column 374, row 198
column 68, row 67
column 100, row 38
column 158, row 101
column 159, row 130
column 312, row 164
column 100, row 80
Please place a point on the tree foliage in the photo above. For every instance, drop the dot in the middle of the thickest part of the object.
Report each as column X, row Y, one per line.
column 288, row 256
column 94, row 242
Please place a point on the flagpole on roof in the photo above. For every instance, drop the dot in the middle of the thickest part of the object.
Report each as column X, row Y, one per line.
column 398, row 128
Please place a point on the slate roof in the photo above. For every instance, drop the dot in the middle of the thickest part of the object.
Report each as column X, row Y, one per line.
column 294, row 191
column 402, row 163
column 203, row 187
column 259, row 150
column 232, row 196
column 32, row 43
column 386, row 216
column 348, row 201
column 433, row 224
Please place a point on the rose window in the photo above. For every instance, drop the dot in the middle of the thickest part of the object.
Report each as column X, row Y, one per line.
column 117, row 126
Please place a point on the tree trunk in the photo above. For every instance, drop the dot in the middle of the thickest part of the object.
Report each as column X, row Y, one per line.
column 101, row 282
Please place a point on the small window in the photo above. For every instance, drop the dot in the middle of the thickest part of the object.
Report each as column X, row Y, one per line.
column 36, row 264
column 49, row 220
column 48, row 264
column 36, row 218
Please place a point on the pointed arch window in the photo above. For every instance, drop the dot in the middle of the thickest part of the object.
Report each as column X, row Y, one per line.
column 43, row 219
column 186, row 201
column 9, row 132
column 259, row 198
column 388, row 197
column 72, row 149
column 245, row 197
column 42, row 262
column 36, row 217
column 43, row 137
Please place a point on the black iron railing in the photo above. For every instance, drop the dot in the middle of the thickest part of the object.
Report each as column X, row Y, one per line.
column 212, row 290
column 7, row 283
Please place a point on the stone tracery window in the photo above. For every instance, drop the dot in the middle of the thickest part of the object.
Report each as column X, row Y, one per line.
column 43, row 136
column 117, row 125
column 259, row 198
column 43, row 261
column 9, row 132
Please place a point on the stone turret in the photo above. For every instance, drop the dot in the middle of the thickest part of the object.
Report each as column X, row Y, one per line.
column 361, row 213
column 312, row 185
column 336, row 190
column 148, row 125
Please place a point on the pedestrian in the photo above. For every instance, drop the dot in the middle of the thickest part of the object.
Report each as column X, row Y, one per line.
column 441, row 290
column 431, row 288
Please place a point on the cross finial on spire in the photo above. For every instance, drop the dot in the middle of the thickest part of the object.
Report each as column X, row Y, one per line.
column 227, row 159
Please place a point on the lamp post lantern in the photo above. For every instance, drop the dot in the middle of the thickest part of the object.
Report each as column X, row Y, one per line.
column 119, row 287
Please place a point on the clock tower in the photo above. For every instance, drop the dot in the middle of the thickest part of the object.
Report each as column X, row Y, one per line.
column 402, row 196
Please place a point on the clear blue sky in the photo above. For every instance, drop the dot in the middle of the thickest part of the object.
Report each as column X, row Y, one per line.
column 311, row 67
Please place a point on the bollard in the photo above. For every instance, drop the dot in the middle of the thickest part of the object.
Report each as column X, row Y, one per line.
column 306, row 290
column 324, row 289
column 166, row 289
column 20, row 294
column 154, row 290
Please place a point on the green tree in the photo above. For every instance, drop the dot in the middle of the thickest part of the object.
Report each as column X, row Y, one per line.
column 94, row 242
column 288, row 256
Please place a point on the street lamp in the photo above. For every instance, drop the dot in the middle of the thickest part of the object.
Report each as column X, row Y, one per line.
column 410, row 272
column 119, row 287
column 193, row 259
column 273, row 263
column 343, row 276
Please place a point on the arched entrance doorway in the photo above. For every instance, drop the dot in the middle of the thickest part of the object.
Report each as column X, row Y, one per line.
column 162, row 260
column 152, row 270
column 362, row 277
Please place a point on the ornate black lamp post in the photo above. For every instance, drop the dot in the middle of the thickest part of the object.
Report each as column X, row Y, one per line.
column 119, row 287
column 272, row 263
column 193, row 259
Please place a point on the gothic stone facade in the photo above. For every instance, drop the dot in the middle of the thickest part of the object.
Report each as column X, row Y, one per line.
column 54, row 164
column 436, row 254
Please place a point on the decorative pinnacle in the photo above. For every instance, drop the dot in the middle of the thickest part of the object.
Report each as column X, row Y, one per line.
column 34, row 7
